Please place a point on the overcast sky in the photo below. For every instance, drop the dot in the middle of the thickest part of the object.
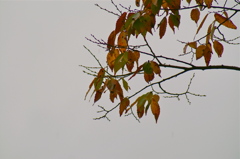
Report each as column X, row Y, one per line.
column 42, row 109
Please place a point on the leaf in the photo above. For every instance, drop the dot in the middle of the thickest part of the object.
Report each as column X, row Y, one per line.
column 120, row 61
column 111, row 40
column 148, row 77
column 140, row 105
column 200, row 51
column 175, row 18
column 224, row 21
column 189, row 1
column 125, row 84
column 170, row 23
column 111, row 57
column 155, row 107
column 218, row 47
column 207, row 54
column 123, row 105
column 97, row 95
column 156, row 68
column 120, row 22
column 193, row 44
column 209, row 33
column 162, row 27
column 208, row 3
column 200, row 26
column 195, row 14
column 115, row 89
column 89, row 88
column 137, row 2
column 122, row 41
column 138, row 70
column 147, row 68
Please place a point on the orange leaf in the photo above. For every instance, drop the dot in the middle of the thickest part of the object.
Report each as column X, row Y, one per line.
column 155, row 67
column 209, row 33
column 148, row 77
column 120, row 22
column 162, row 28
column 218, row 47
column 208, row 3
column 101, row 73
column 123, row 105
column 200, row 51
column 195, row 14
column 224, row 21
column 122, row 41
column 155, row 108
column 111, row 40
column 200, row 26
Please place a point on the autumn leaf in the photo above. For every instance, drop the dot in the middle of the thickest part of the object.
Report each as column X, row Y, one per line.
column 175, row 18
column 209, row 33
column 208, row 3
column 122, row 41
column 224, row 21
column 218, row 47
column 170, row 23
column 120, row 22
column 189, row 1
column 155, row 107
column 120, row 62
column 162, row 27
column 125, row 84
column 123, row 105
column 156, row 68
column 200, row 51
column 111, row 57
column 148, row 77
column 193, row 44
column 111, row 40
column 140, row 106
column 97, row 95
column 137, row 2
column 207, row 54
column 195, row 14
column 201, row 24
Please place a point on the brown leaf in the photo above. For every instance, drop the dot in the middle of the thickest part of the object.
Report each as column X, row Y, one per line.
column 156, row 68
column 200, row 26
column 155, row 108
column 120, row 22
column 171, row 24
column 218, row 47
column 162, row 27
column 123, row 105
column 97, row 95
column 195, row 14
column 224, row 21
column 189, row 1
column 200, row 51
column 207, row 54
column 137, row 2
column 111, row 40
column 138, row 70
column 209, row 33
column 122, row 41
column 148, row 77
column 193, row 44
column 208, row 3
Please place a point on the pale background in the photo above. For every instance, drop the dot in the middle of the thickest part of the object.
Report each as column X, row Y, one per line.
column 42, row 109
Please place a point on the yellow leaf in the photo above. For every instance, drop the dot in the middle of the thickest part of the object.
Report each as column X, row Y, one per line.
column 123, row 105
column 162, row 27
column 200, row 26
column 195, row 14
column 155, row 108
column 218, row 47
column 122, row 41
column 111, row 40
column 208, row 3
column 200, row 51
column 111, row 57
column 224, row 21
column 120, row 22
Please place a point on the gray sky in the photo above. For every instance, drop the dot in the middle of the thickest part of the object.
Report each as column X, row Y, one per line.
column 42, row 109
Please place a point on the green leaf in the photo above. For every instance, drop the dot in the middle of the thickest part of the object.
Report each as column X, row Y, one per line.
column 175, row 18
column 147, row 68
column 120, row 61
column 125, row 84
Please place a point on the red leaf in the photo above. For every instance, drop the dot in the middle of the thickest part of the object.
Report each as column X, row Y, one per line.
column 120, row 22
